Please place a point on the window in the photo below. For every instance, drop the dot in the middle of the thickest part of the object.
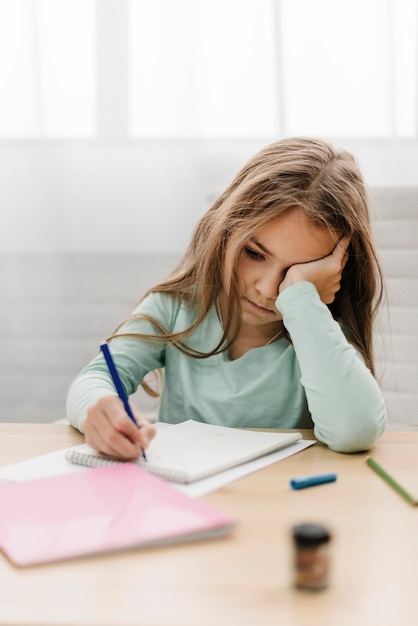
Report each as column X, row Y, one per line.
column 135, row 69
column 47, row 68
column 349, row 67
column 249, row 68
column 202, row 68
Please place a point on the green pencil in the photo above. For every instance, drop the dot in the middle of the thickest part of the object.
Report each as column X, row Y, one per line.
column 391, row 481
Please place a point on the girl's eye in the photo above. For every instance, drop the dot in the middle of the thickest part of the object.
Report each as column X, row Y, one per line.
column 253, row 254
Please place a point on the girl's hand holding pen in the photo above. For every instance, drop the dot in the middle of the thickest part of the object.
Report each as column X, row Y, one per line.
column 109, row 430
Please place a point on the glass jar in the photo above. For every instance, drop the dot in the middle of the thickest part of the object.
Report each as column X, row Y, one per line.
column 311, row 556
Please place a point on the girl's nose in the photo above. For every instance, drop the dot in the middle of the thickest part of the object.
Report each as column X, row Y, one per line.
column 268, row 284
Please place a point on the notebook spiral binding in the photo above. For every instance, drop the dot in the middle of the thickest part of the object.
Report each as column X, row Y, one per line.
column 80, row 458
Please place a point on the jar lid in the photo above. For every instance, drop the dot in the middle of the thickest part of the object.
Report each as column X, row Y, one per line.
column 310, row 534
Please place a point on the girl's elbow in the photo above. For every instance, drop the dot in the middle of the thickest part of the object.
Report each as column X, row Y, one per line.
column 358, row 437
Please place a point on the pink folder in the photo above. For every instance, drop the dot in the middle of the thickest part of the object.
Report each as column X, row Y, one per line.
column 97, row 510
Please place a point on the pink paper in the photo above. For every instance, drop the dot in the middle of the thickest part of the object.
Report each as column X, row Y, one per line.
column 98, row 510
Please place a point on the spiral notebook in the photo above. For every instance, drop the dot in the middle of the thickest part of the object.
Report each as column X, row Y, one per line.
column 99, row 510
column 191, row 450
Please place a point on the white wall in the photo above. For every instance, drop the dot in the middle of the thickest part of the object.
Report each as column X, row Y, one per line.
column 139, row 196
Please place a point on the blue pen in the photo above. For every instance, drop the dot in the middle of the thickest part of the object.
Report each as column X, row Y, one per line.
column 311, row 481
column 118, row 384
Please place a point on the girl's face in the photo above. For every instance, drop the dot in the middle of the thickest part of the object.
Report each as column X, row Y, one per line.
column 288, row 240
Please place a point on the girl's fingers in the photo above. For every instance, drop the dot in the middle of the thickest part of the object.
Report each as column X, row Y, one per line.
column 108, row 429
column 340, row 250
column 146, row 431
column 107, row 440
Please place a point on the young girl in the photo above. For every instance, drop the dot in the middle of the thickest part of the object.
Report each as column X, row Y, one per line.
column 266, row 322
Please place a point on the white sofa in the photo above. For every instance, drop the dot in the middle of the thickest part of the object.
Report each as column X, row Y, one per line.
column 395, row 219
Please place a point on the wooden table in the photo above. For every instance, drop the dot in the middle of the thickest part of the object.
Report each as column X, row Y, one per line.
column 244, row 579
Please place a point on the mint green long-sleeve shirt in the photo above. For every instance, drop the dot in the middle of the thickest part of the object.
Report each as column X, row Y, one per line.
column 317, row 381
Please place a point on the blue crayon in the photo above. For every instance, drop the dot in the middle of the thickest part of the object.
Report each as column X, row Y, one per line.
column 311, row 481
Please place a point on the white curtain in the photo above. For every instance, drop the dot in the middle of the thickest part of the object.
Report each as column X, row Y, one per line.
column 208, row 68
column 47, row 69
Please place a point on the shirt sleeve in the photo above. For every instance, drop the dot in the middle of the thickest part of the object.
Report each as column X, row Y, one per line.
column 134, row 358
column 344, row 399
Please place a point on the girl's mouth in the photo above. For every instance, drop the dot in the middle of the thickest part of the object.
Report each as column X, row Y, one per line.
column 257, row 307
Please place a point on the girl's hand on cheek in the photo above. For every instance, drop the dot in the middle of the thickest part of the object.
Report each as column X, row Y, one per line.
column 324, row 273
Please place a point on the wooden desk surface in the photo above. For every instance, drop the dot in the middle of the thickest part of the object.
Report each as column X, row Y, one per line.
column 245, row 579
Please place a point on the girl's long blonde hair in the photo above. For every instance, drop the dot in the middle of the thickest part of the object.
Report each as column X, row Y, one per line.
column 296, row 172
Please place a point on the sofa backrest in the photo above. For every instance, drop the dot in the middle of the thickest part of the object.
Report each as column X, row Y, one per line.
column 395, row 221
